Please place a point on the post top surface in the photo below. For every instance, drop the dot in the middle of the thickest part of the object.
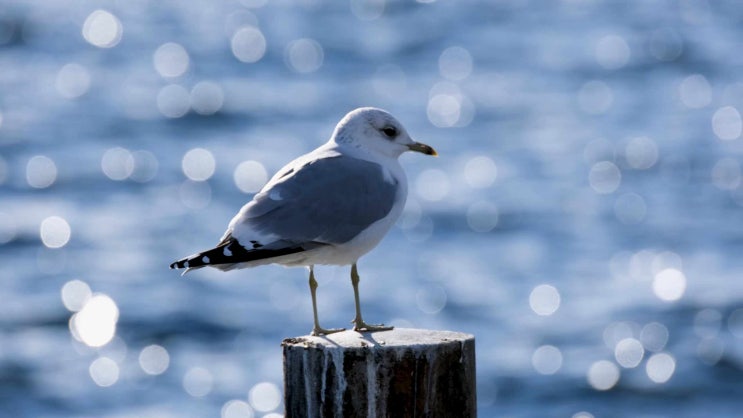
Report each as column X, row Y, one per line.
column 393, row 338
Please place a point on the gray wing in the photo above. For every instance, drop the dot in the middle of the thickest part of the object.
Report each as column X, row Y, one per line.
column 329, row 200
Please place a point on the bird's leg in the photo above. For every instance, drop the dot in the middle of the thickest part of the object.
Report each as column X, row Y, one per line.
column 358, row 323
column 317, row 330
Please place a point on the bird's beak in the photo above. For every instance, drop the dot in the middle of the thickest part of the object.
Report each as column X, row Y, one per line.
column 423, row 148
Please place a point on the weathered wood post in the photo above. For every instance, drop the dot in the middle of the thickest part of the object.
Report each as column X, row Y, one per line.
column 397, row 373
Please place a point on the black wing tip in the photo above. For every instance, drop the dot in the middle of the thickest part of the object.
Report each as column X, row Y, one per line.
column 185, row 263
column 203, row 258
column 230, row 251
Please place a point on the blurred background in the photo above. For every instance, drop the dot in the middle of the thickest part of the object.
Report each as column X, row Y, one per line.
column 583, row 221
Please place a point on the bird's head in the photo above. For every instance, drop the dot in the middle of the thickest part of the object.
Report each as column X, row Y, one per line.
column 375, row 130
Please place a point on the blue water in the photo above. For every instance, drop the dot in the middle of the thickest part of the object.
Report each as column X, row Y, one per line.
column 583, row 221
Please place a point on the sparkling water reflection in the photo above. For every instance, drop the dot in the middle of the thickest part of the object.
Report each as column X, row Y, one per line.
column 581, row 221
column 102, row 29
column 41, row 172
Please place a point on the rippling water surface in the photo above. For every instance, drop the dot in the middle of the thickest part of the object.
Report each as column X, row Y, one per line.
column 584, row 220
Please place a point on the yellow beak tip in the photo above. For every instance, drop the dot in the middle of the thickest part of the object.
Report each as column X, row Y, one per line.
column 423, row 149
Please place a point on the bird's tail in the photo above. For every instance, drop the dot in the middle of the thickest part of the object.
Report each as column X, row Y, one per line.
column 229, row 253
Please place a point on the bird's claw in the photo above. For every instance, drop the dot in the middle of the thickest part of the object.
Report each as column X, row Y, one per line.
column 317, row 331
column 361, row 326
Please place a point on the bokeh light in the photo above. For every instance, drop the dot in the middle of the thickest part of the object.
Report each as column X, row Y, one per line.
column 629, row 353
column 207, row 98
column 547, row 359
column 41, row 172
column 544, row 300
column 643, row 265
column 367, row 9
column 250, row 176
column 145, row 166
column 248, row 44
column 171, row 60
column 236, row 408
column 604, row 177
column 198, row 382
column 75, row 294
column 173, row 101
column 669, row 285
column 104, row 371
column 117, row 163
column 8, row 228
column 480, row 172
column 727, row 123
column 482, row 216
column 73, row 81
column 304, row 55
column 431, row 299
column 55, row 232
column 455, row 63
column 660, row 367
column 443, row 110
column 102, row 29
column 641, row 153
column 695, row 91
column 154, row 359
column 612, row 52
column 603, row 375
column 95, row 324
column 448, row 107
column 654, row 336
column 198, row 164
column 264, row 397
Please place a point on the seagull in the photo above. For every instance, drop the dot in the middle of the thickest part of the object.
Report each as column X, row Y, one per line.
column 328, row 207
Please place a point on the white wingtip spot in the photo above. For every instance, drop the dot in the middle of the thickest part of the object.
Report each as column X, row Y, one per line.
column 227, row 252
column 205, row 260
column 185, row 264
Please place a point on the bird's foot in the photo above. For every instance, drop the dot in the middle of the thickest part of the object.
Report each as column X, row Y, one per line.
column 317, row 331
column 361, row 326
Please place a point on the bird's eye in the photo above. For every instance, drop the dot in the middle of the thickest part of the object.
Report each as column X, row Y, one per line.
column 389, row 131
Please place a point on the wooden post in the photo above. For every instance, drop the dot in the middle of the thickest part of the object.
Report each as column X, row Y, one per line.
column 397, row 373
